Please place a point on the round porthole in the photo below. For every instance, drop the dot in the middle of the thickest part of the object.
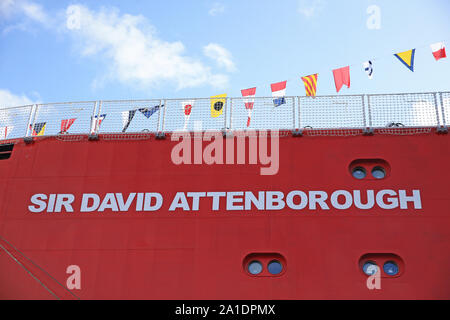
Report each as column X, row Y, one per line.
column 275, row 267
column 370, row 268
column 391, row 268
column 378, row 173
column 255, row 267
column 359, row 173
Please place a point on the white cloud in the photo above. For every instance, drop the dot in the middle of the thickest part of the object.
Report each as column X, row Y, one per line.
column 15, row 119
column 221, row 55
column 8, row 99
column 309, row 8
column 216, row 9
column 130, row 45
column 34, row 12
column 31, row 10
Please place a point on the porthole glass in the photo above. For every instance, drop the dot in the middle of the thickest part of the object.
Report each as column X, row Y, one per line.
column 370, row 268
column 359, row 173
column 255, row 267
column 275, row 267
column 391, row 268
column 378, row 173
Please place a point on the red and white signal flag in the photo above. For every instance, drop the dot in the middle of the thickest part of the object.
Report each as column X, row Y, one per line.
column 278, row 93
column 5, row 131
column 249, row 95
column 66, row 124
column 187, row 110
column 438, row 50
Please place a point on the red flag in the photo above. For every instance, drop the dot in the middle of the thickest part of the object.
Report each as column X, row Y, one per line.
column 341, row 77
column 66, row 124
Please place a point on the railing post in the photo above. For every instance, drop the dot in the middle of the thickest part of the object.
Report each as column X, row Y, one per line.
column 97, row 123
column 31, row 120
column 293, row 113
column 296, row 131
column 93, row 119
column 436, row 107
column 164, row 117
column 363, row 99
column 159, row 116
column 368, row 130
column 444, row 127
column 225, row 114
column 299, row 113
column 369, row 115
column 444, row 121
column 36, row 110
column 231, row 114
column 443, row 111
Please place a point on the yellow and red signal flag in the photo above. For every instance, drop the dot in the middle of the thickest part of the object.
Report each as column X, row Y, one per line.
column 310, row 84
column 38, row 129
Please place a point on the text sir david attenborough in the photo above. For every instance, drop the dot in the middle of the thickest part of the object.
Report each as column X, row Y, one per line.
column 231, row 201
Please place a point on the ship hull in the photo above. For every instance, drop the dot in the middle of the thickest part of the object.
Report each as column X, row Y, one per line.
column 201, row 254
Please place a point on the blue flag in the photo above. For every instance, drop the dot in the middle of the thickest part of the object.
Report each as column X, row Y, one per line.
column 148, row 112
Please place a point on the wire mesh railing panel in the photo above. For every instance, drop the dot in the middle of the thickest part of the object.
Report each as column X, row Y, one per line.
column 262, row 113
column 445, row 100
column 195, row 114
column 403, row 110
column 129, row 116
column 332, row 112
column 62, row 118
column 13, row 122
column 322, row 115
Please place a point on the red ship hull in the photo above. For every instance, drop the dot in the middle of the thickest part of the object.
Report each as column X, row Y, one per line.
column 201, row 254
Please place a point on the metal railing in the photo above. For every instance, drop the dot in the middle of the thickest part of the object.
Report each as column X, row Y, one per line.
column 362, row 112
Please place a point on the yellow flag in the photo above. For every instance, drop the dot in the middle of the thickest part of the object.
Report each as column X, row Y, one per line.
column 217, row 105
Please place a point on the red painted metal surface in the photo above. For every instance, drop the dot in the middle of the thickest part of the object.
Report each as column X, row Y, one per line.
column 200, row 255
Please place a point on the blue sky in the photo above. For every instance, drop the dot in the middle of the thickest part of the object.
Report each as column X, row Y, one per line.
column 136, row 49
